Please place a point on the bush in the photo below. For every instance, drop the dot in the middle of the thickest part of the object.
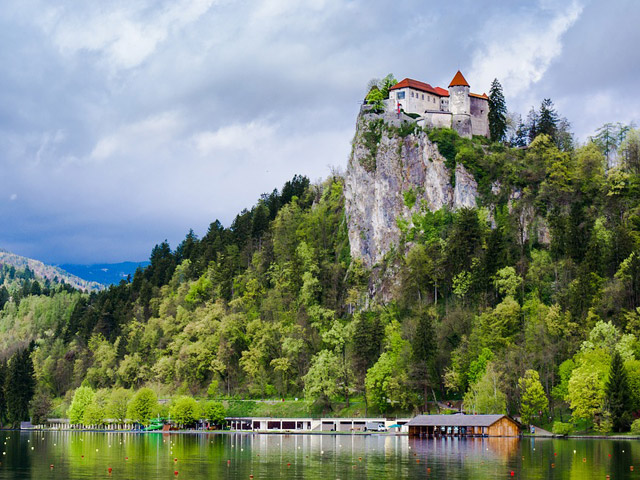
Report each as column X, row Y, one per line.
column 635, row 427
column 560, row 428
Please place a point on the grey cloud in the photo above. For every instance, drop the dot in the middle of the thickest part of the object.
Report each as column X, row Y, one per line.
column 112, row 145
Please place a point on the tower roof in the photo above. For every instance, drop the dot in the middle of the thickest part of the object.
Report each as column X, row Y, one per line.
column 458, row 81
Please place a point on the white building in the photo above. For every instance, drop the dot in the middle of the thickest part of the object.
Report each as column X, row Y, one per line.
column 456, row 108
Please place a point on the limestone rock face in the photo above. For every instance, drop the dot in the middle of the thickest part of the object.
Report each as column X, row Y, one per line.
column 385, row 166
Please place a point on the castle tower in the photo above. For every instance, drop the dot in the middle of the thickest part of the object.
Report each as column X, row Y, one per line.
column 460, row 105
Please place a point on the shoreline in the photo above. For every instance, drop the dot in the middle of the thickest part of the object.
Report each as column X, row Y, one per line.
column 304, row 432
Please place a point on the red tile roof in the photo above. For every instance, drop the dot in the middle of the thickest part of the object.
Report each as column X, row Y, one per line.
column 442, row 92
column 477, row 95
column 423, row 87
column 458, row 81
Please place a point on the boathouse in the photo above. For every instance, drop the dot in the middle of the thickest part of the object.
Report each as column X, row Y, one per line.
column 463, row 425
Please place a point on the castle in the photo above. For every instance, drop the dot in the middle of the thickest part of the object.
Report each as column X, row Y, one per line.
column 456, row 108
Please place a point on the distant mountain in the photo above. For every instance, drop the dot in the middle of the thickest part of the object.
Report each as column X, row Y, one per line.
column 104, row 273
column 50, row 272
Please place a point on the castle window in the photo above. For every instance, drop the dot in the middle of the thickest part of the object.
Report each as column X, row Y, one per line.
column 411, row 94
column 400, row 95
column 423, row 96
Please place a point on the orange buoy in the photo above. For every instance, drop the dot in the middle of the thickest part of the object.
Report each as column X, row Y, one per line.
column 631, row 468
column 126, row 458
column 428, row 470
column 553, row 465
column 175, row 459
column 417, row 460
column 584, row 459
column 288, row 465
column 555, row 454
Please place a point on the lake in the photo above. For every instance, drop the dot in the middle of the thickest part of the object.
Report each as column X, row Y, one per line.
column 82, row 455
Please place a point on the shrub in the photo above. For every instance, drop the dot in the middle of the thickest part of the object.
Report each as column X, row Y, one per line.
column 560, row 428
column 635, row 427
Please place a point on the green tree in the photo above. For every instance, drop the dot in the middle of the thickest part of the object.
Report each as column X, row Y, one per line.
column 118, row 404
column 3, row 399
column 486, row 396
column 20, row 385
column 619, row 394
column 94, row 414
column 548, row 119
column 586, row 388
column 214, row 412
column 497, row 112
column 82, row 397
column 185, row 411
column 322, row 381
column 143, row 406
column 532, row 396
column 375, row 98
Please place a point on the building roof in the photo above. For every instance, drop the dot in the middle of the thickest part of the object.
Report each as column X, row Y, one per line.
column 456, row 420
column 458, row 81
column 477, row 95
column 423, row 87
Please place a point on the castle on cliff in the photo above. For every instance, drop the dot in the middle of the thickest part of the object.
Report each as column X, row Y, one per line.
column 456, row 108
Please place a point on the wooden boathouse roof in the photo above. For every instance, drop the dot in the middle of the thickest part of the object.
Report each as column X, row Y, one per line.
column 455, row 420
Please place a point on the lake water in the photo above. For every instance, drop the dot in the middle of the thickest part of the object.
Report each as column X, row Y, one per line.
column 82, row 455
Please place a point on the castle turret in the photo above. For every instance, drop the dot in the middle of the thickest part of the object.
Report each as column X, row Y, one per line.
column 460, row 105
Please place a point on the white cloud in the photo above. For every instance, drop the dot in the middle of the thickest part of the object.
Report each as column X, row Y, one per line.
column 145, row 136
column 234, row 137
column 125, row 36
column 13, row 197
column 521, row 47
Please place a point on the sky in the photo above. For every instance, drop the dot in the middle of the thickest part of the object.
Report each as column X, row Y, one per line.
column 127, row 122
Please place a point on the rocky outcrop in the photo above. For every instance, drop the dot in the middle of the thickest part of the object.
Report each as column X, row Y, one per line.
column 386, row 165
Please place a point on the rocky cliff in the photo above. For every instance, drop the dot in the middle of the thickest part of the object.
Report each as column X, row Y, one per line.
column 389, row 160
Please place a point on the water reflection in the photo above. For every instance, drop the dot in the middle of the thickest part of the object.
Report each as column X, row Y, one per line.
column 83, row 455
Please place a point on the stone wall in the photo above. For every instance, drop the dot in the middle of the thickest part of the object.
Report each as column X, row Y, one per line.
column 479, row 116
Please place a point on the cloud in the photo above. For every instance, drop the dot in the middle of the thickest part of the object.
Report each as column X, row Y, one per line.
column 518, row 48
column 124, row 123
column 124, row 36
column 246, row 136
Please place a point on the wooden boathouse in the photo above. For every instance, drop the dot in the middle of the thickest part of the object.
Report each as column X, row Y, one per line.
column 463, row 425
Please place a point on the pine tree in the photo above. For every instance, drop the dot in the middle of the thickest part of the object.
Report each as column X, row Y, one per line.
column 533, row 119
column 497, row 112
column 548, row 119
column 619, row 394
column 3, row 401
column 19, row 385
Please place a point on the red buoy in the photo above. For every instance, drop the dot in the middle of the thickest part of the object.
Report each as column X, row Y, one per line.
column 512, row 473
column 51, row 466
column 175, row 459
column 109, row 470
column 176, row 472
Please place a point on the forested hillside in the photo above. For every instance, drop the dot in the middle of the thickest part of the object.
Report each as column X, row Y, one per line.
column 516, row 306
